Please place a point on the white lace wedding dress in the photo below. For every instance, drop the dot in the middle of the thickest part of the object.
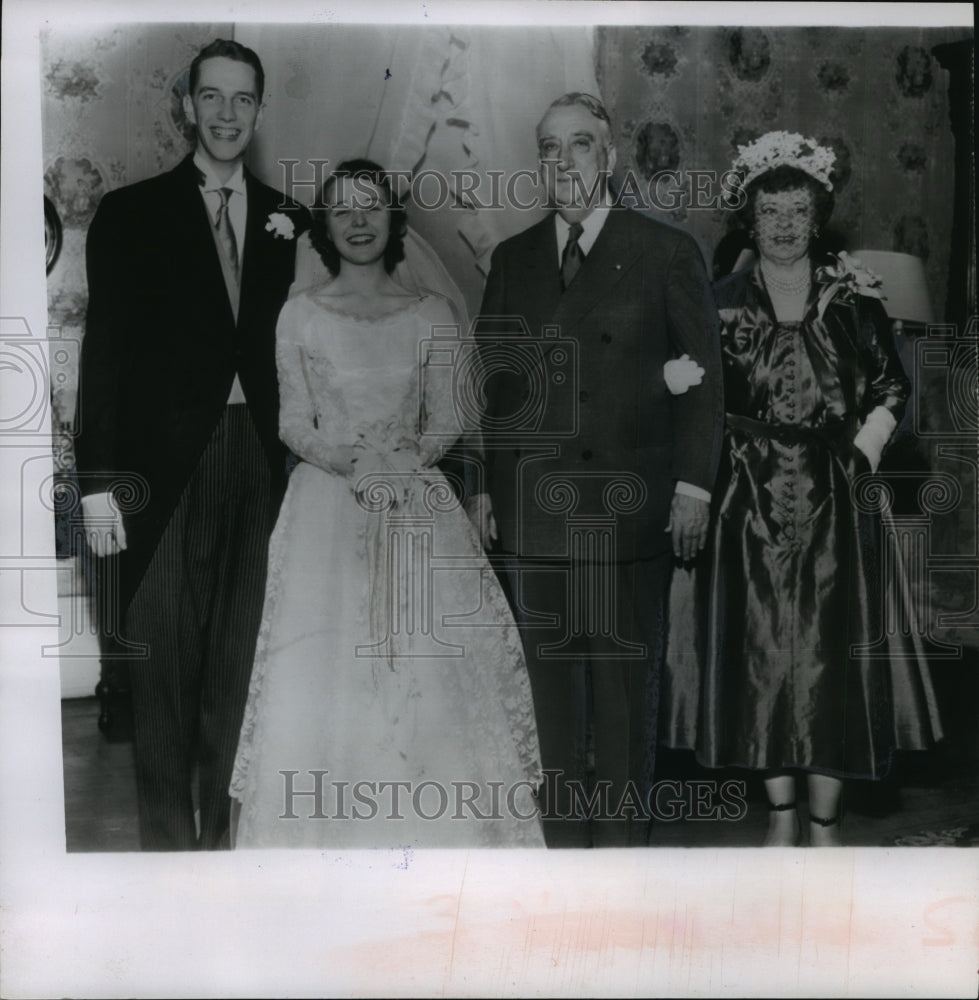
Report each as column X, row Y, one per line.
column 389, row 703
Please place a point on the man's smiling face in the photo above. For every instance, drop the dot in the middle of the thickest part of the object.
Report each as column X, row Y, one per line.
column 226, row 110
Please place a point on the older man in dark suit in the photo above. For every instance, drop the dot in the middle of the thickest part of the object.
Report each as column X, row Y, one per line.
column 178, row 448
column 595, row 475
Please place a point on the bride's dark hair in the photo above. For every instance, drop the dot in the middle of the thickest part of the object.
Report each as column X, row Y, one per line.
column 376, row 175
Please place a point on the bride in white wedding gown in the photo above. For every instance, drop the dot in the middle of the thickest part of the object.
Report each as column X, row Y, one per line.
column 389, row 703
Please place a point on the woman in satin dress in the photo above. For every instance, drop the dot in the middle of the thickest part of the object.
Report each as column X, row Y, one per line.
column 799, row 675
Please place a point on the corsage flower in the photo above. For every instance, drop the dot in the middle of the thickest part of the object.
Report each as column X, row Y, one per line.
column 280, row 225
column 846, row 278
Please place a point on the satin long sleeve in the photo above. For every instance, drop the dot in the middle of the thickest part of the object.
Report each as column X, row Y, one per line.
column 888, row 386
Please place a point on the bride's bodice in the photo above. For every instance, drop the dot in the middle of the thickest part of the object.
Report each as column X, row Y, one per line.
column 361, row 372
column 348, row 381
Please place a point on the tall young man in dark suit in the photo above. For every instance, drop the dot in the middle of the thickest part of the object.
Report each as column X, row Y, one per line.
column 595, row 475
column 178, row 451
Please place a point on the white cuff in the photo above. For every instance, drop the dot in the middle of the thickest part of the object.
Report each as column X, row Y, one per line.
column 875, row 433
column 689, row 490
column 99, row 505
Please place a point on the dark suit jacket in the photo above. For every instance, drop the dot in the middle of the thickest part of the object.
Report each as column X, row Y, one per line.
column 161, row 345
column 599, row 407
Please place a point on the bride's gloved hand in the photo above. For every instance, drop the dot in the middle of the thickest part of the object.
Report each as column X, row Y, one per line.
column 343, row 459
column 380, row 455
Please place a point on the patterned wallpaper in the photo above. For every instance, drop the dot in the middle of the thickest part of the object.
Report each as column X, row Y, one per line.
column 684, row 98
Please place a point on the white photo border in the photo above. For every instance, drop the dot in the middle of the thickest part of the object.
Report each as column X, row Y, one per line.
column 705, row 922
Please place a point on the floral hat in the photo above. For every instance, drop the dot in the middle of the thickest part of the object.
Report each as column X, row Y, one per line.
column 785, row 149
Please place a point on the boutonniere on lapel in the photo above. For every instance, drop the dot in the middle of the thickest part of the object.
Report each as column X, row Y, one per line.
column 844, row 279
column 280, row 225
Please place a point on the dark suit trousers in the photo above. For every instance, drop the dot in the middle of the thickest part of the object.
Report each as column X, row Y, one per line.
column 595, row 669
column 198, row 609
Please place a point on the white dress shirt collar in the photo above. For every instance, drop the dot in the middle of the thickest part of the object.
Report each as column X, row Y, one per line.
column 236, row 181
column 237, row 201
column 591, row 225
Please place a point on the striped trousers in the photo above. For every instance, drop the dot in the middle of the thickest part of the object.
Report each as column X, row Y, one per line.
column 198, row 610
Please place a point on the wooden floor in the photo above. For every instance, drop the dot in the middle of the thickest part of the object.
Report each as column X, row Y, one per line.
column 931, row 798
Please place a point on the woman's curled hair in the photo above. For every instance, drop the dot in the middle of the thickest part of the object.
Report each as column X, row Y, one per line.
column 358, row 169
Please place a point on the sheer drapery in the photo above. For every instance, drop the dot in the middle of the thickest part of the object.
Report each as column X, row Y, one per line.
column 436, row 98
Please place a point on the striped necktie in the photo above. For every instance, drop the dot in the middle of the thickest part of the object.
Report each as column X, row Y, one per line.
column 226, row 234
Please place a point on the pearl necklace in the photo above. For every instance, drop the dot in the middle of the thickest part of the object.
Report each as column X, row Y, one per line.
column 797, row 286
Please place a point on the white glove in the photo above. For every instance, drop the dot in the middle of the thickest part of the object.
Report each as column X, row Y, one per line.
column 874, row 434
column 681, row 373
column 103, row 524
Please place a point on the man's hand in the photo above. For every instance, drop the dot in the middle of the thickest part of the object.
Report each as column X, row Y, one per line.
column 689, row 517
column 480, row 511
column 103, row 524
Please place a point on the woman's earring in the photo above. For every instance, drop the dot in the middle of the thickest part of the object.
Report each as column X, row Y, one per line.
column 815, row 232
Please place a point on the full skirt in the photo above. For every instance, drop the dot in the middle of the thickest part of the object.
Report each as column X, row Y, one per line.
column 389, row 703
column 793, row 642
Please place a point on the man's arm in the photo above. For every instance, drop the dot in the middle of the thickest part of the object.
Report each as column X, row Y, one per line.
column 698, row 414
column 99, row 377
column 478, row 504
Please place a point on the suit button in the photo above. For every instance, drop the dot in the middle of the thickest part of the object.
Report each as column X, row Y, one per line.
column 606, row 338
column 583, row 396
column 586, row 454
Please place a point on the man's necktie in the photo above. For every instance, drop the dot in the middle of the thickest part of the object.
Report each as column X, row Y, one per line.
column 571, row 257
column 225, row 233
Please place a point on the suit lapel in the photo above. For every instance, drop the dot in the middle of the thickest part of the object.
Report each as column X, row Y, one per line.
column 610, row 258
column 536, row 263
column 194, row 241
column 258, row 243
